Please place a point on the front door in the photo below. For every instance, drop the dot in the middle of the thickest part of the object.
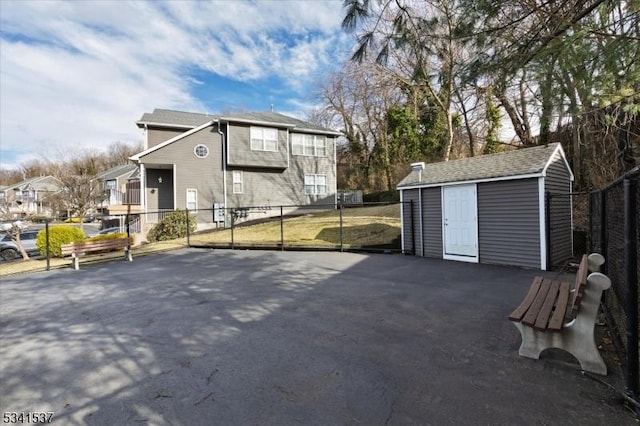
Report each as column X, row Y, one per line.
column 460, row 221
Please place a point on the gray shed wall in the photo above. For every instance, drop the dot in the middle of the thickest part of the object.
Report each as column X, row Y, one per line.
column 411, row 240
column 509, row 222
column 558, row 181
column 432, row 222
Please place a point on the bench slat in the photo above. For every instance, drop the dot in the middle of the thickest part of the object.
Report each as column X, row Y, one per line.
column 528, row 300
column 581, row 284
column 531, row 315
column 545, row 311
column 557, row 319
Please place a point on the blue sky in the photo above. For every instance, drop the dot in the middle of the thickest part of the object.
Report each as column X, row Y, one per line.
column 76, row 75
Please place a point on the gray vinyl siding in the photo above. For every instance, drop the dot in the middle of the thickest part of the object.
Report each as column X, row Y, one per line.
column 156, row 136
column 558, row 181
column 241, row 154
column 275, row 187
column 432, row 222
column 410, row 221
column 509, row 223
column 203, row 174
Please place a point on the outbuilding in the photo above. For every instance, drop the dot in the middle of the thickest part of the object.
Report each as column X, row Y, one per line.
column 491, row 209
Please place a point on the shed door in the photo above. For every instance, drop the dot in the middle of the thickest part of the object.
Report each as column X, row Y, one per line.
column 460, row 221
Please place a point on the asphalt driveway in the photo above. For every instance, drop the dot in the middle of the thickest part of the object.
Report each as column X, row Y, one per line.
column 200, row 337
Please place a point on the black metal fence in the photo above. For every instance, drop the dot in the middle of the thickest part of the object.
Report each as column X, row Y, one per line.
column 606, row 221
column 367, row 227
column 614, row 232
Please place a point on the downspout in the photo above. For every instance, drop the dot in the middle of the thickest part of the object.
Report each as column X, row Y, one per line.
column 224, row 167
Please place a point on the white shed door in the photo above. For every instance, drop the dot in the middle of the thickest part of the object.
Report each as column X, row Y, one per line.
column 460, row 220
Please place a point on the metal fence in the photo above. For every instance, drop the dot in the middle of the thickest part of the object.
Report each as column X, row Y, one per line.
column 614, row 232
column 606, row 221
column 367, row 227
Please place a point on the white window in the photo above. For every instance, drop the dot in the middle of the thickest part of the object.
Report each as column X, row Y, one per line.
column 201, row 151
column 310, row 145
column 192, row 200
column 264, row 139
column 315, row 184
column 237, row 182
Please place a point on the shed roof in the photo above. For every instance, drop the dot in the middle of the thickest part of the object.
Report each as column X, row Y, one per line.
column 521, row 162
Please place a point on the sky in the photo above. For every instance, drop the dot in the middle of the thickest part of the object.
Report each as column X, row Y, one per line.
column 76, row 75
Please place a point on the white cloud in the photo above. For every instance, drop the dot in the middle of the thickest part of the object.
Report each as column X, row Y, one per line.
column 78, row 74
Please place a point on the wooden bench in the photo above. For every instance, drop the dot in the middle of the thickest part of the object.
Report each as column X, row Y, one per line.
column 84, row 247
column 555, row 314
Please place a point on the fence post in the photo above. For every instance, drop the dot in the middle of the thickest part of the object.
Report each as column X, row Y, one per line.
column 281, row 230
column 341, row 236
column 46, row 243
column 603, row 228
column 232, row 222
column 547, row 225
column 186, row 212
column 413, row 230
column 631, row 278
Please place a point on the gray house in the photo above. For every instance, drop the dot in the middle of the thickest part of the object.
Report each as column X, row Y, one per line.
column 264, row 159
column 490, row 209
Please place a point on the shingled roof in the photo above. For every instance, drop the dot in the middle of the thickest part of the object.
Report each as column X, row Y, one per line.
column 526, row 161
column 192, row 120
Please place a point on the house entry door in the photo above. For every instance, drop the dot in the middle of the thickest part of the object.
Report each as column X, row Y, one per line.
column 460, row 221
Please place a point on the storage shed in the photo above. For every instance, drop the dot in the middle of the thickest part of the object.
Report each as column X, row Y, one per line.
column 491, row 209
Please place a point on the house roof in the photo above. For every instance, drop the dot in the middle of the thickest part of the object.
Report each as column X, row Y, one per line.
column 188, row 120
column 522, row 162
column 40, row 183
column 118, row 171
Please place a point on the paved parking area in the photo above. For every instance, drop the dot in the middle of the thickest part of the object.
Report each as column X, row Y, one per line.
column 201, row 337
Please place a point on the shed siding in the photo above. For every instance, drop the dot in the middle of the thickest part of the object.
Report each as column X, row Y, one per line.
column 432, row 222
column 409, row 221
column 558, row 181
column 508, row 223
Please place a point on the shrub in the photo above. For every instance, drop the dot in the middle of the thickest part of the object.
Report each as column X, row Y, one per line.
column 172, row 226
column 58, row 235
column 106, row 237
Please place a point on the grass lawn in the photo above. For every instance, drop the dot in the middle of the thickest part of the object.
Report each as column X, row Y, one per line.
column 361, row 227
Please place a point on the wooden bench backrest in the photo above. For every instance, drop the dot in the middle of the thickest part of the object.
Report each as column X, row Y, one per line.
column 89, row 246
column 581, row 285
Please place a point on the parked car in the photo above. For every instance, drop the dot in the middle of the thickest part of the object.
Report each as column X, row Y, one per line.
column 9, row 249
column 112, row 230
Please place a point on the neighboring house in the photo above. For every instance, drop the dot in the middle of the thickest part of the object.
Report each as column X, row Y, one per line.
column 260, row 160
column 30, row 197
column 491, row 208
column 121, row 186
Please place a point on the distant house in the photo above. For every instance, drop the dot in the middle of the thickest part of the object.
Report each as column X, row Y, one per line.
column 491, row 208
column 261, row 160
column 30, row 197
column 118, row 185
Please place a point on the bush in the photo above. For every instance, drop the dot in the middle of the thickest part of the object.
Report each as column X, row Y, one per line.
column 58, row 235
column 382, row 197
column 106, row 237
column 172, row 226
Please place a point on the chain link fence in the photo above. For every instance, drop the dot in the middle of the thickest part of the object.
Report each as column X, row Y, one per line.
column 614, row 233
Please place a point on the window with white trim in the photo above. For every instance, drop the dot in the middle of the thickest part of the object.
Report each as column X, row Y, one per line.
column 192, row 200
column 315, row 184
column 237, row 182
column 264, row 139
column 309, row 145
